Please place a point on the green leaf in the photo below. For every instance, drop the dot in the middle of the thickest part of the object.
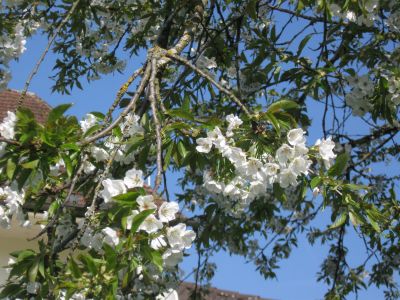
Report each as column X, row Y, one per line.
column 68, row 164
column 71, row 146
column 182, row 150
column 89, row 262
column 274, row 121
column 128, row 198
column 11, row 166
column 340, row 220
column 372, row 218
column 186, row 103
column 31, row 165
column 74, row 268
column 33, row 270
column 355, row 187
column 302, row 44
column 167, row 158
column 315, row 182
column 251, row 9
column 157, row 259
column 138, row 219
column 355, row 219
column 282, row 105
column 98, row 115
column 111, row 256
column 180, row 113
column 339, row 166
column 11, row 291
column 57, row 112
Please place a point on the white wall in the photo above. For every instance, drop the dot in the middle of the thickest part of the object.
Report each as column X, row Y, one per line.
column 15, row 239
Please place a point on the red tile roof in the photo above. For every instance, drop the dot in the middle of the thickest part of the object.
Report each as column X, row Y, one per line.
column 187, row 288
column 9, row 101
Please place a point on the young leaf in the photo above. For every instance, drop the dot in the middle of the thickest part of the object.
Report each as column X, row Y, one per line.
column 339, row 166
column 57, row 112
column 138, row 219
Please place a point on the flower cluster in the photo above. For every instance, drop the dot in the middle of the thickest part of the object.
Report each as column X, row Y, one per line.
column 393, row 21
column 367, row 18
column 169, row 241
column 12, row 46
column 362, row 87
column 7, row 126
column 172, row 240
column 393, row 87
column 130, row 127
column 11, row 203
column 254, row 176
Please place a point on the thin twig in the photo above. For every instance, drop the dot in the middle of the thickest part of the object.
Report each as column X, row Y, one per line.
column 212, row 80
column 131, row 104
column 121, row 92
column 8, row 141
column 39, row 62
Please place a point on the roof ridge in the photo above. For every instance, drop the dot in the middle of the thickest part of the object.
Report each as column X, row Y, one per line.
column 33, row 95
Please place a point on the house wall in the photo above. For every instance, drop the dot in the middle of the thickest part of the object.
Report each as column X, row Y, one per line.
column 15, row 238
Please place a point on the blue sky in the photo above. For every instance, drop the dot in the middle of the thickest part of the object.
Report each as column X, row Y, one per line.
column 297, row 275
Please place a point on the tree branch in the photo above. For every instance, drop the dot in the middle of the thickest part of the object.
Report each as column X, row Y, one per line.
column 212, row 80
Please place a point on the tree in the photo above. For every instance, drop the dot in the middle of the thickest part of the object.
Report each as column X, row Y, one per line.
column 222, row 98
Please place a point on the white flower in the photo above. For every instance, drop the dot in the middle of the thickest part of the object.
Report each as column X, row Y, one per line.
column 167, row 211
column 204, row 145
column 296, row 136
column 57, row 168
column 217, row 138
column 32, row 288
column 99, row 154
column 133, row 178
column 234, row 122
column 179, row 237
column 172, row 257
column 88, row 167
column 300, row 165
column 4, row 219
column 235, row 155
column 351, row 16
column 146, row 202
column 7, row 126
column 325, row 148
column 232, row 189
column 88, row 122
column 257, row 188
column 110, row 236
column 13, row 201
column 92, row 240
column 270, row 169
column 300, row 149
column 252, row 166
column 316, row 191
column 171, row 294
column 151, row 224
column 284, row 153
column 131, row 124
column 268, row 173
column 211, row 185
column 287, row 178
column 112, row 188
column 158, row 242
